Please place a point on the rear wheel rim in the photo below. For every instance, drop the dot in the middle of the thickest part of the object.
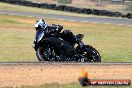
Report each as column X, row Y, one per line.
column 92, row 57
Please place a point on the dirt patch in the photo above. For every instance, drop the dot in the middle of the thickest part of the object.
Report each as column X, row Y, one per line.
column 18, row 28
column 22, row 19
column 17, row 75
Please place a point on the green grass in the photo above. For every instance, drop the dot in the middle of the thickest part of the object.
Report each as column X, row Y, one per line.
column 15, row 40
column 71, row 85
column 114, row 42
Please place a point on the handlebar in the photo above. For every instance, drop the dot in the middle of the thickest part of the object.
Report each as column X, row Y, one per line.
column 80, row 36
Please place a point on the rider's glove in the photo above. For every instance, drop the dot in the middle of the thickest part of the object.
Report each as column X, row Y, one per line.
column 81, row 44
column 60, row 28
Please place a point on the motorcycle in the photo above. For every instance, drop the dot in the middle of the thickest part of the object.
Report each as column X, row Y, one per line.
column 55, row 48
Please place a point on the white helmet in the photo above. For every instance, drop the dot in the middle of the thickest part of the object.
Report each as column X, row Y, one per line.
column 40, row 24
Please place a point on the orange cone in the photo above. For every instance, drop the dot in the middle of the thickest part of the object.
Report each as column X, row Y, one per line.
column 84, row 74
column 84, row 80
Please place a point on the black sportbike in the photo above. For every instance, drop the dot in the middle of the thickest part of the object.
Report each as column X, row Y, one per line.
column 55, row 48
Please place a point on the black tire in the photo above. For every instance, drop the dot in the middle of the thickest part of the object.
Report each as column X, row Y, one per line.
column 93, row 56
column 84, row 81
column 43, row 54
column 39, row 54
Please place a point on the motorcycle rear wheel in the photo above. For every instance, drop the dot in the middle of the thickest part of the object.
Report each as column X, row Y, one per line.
column 93, row 56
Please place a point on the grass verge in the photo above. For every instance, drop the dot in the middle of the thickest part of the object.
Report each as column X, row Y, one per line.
column 12, row 7
column 17, row 34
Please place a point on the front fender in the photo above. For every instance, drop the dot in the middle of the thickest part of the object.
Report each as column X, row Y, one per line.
column 39, row 35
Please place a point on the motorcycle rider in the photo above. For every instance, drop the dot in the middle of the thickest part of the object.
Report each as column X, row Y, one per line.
column 71, row 38
column 41, row 24
column 49, row 29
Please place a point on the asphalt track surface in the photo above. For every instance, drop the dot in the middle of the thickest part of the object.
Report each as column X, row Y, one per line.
column 72, row 18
